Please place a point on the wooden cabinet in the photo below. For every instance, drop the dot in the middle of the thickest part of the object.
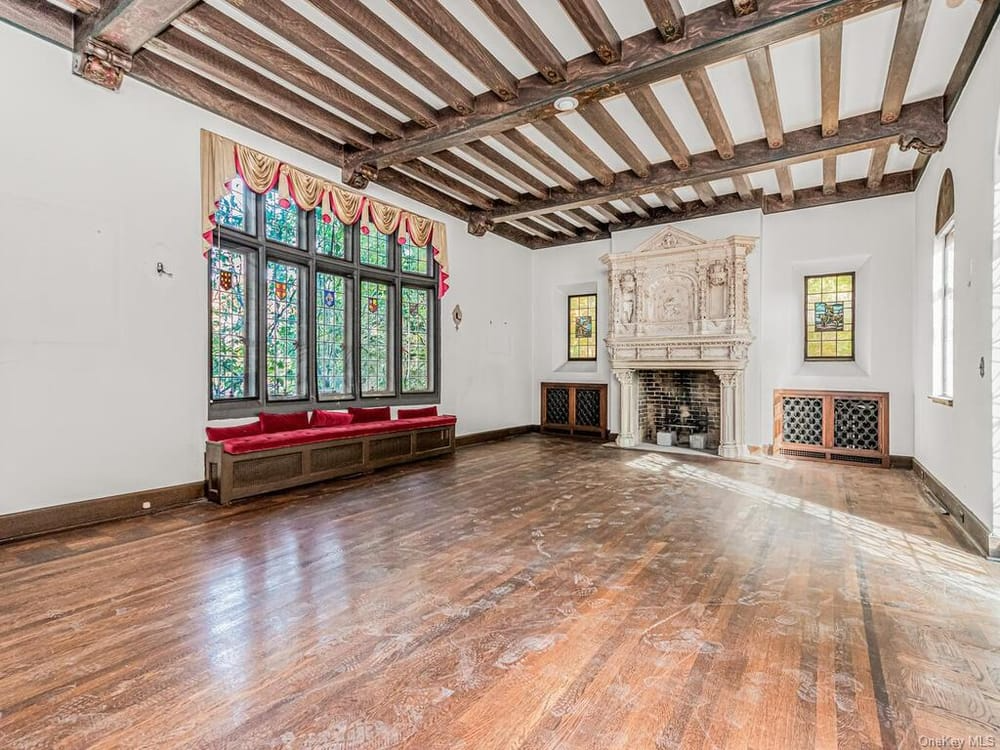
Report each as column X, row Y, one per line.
column 847, row 426
column 575, row 408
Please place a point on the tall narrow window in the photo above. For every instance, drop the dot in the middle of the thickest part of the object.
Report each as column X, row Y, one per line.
column 943, row 290
column 583, row 327
column 830, row 317
column 232, row 324
column 284, row 322
column 281, row 219
column 333, row 360
column 416, row 359
column 376, row 335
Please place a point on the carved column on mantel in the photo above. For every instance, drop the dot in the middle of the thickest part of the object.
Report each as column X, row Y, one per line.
column 629, row 410
column 732, row 439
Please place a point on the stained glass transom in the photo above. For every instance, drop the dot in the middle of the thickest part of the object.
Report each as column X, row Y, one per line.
column 374, row 247
column 281, row 219
column 414, row 259
column 232, row 211
column 331, row 235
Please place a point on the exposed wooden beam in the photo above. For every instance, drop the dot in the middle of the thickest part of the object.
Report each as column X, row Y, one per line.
column 517, row 25
column 909, row 29
column 442, row 181
column 483, row 180
column 982, row 26
column 852, row 190
column 226, row 32
column 41, row 19
column 364, row 23
column 554, row 226
column 918, row 168
column 309, row 37
column 707, row 103
column 567, row 227
column 598, row 117
column 587, row 221
column 785, row 185
column 638, row 206
column 668, row 17
column 712, row 36
column 829, row 175
column 83, row 6
column 876, row 167
column 705, row 193
column 920, row 122
column 590, row 18
column 608, row 212
column 743, row 187
column 514, row 235
column 669, row 199
column 644, row 99
column 831, row 43
column 567, row 141
column 528, row 150
column 532, row 223
column 498, row 162
column 762, row 75
column 439, row 24
column 400, row 183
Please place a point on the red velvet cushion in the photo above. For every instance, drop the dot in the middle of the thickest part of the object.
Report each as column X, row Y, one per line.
column 427, row 411
column 215, row 434
column 322, row 418
column 374, row 414
column 298, row 420
column 265, row 442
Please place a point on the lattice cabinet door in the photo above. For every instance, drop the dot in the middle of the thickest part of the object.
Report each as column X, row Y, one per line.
column 575, row 408
column 845, row 426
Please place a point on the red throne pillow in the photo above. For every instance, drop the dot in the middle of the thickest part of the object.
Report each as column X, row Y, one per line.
column 330, row 418
column 426, row 411
column 298, row 420
column 373, row 414
column 218, row 434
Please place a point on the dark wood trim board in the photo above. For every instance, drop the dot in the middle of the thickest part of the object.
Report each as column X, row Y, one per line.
column 505, row 433
column 964, row 519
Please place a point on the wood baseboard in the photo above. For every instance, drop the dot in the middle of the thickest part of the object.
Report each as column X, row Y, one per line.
column 489, row 436
column 88, row 512
column 971, row 527
column 901, row 462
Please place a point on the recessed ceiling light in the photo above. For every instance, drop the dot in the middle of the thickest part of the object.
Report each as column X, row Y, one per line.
column 567, row 103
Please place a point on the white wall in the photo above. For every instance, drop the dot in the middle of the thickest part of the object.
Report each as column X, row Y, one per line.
column 103, row 363
column 954, row 443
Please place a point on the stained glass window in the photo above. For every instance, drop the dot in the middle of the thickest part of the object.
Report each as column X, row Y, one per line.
column 830, row 317
column 415, row 259
column 416, row 340
column 374, row 247
column 583, row 327
column 231, row 325
column 376, row 336
column 281, row 219
column 331, row 235
column 233, row 208
column 283, row 330
column 333, row 362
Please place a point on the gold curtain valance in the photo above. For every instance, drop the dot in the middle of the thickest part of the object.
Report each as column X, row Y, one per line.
column 222, row 160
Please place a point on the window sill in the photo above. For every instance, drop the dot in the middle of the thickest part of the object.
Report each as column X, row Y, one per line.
column 942, row 400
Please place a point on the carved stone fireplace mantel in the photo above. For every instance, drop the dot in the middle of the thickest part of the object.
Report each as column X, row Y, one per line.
column 679, row 302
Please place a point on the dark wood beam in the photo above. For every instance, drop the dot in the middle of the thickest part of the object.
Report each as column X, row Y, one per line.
column 644, row 99
column 500, row 163
column 532, row 153
column 513, row 234
column 982, row 26
column 439, row 24
column 909, row 29
column 364, row 23
column 84, row 6
column 669, row 199
column 831, row 43
column 226, row 32
column 483, row 180
column 570, row 144
column 712, row 35
column 442, row 181
column 829, row 175
column 182, row 48
column 921, row 123
column 668, row 18
column 587, row 221
column 852, row 190
column 517, row 25
column 707, row 104
column 310, row 38
column 608, row 212
column 785, row 185
column 762, row 75
column 554, row 226
column 40, row 18
column 638, row 206
column 566, row 226
column 532, row 223
column 743, row 187
column 614, row 135
column 876, row 166
column 590, row 18
column 398, row 182
column 705, row 193
column 918, row 168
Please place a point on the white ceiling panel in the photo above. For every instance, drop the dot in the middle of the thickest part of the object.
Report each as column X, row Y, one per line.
column 734, row 90
column 853, row 166
column 554, row 21
column 519, row 161
column 807, row 174
column 550, row 148
column 621, row 109
column 677, row 102
column 686, row 194
column 941, row 44
column 470, row 16
column 723, row 187
column 629, row 17
column 900, row 161
column 589, row 136
column 766, row 181
column 796, row 76
column 867, row 49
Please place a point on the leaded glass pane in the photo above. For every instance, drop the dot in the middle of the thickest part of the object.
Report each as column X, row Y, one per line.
column 830, row 316
column 374, row 247
column 376, row 336
column 231, row 372
column 414, row 258
column 330, row 235
column 281, row 219
column 333, row 362
column 283, row 330
column 232, row 211
column 583, row 327
column 416, row 359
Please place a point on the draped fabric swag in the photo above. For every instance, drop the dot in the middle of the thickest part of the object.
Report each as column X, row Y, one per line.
column 222, row 160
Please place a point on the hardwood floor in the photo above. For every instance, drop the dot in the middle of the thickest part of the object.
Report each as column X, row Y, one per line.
column 537, row 593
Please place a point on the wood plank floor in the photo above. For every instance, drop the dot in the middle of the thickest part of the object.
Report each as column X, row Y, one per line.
column 537, row 593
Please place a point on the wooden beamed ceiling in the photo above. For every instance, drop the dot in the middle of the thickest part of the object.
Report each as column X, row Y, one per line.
column 440, row 108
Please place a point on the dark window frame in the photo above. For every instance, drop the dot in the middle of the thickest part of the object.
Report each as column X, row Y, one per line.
column 261, row 250
column 569, row 321
column 807, row 312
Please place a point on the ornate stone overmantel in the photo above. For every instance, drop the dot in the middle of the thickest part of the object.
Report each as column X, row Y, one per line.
column 679, row 302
